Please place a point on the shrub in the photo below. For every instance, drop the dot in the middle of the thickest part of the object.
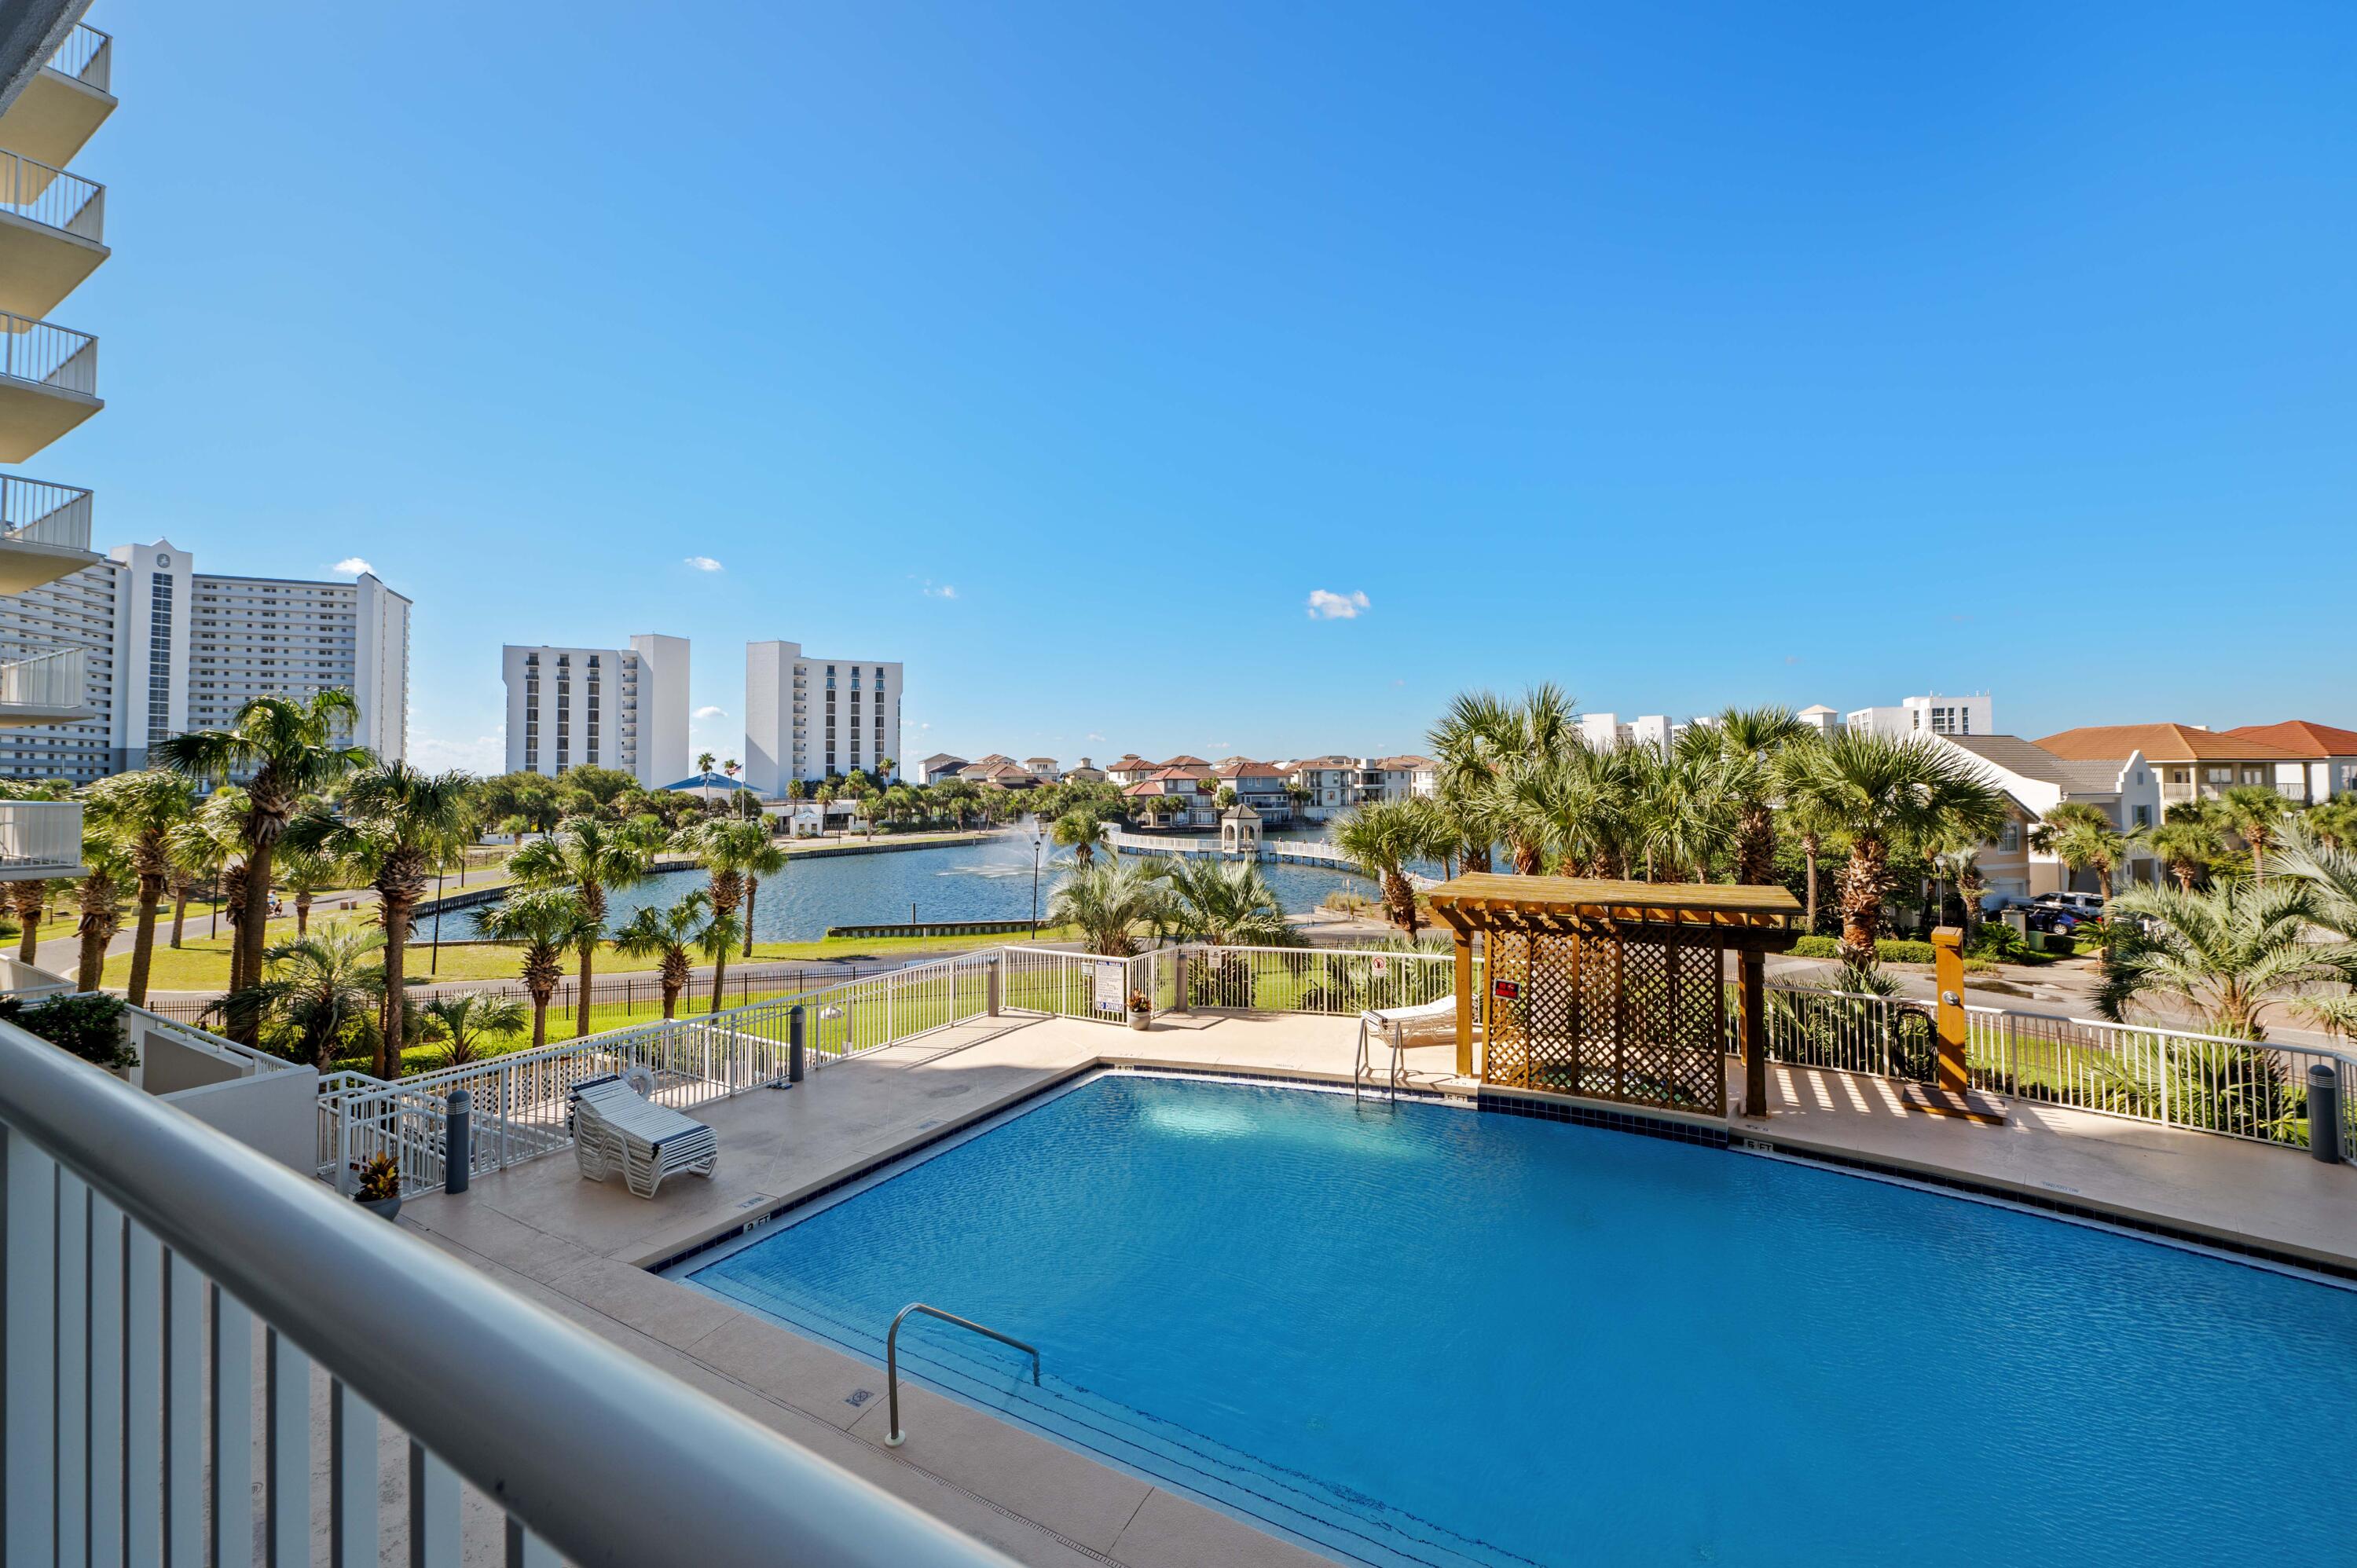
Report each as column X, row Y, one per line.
column 1890, row 950
column 90, row 1026
column 1996, row 940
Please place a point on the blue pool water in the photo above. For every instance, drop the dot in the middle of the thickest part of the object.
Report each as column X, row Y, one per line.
column 1417, row 1333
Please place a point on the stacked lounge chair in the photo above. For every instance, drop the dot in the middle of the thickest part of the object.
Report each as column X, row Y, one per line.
column 616, row 1129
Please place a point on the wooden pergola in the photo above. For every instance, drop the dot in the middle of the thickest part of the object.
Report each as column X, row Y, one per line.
column 1615, row 990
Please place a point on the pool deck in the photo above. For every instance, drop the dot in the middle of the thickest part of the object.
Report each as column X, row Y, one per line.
column 583, row 1248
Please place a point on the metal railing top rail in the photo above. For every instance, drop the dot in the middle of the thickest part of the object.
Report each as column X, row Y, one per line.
column 51, row 197
column 35, row 511
column 47, row 355
column 572, row 1436
column 86, row 55
column 212, row 1044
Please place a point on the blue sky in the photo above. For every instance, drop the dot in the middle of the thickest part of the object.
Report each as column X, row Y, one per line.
column 1686, row 356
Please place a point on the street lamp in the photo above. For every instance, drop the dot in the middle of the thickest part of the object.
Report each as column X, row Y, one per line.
column 1038, row 842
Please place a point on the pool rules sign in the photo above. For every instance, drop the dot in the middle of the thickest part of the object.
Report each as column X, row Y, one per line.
column 1112, row 988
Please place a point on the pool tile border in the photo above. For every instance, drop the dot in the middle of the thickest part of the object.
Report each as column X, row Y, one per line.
column 1550, row 1107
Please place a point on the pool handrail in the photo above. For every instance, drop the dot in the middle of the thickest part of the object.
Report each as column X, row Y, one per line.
column 895, row 1437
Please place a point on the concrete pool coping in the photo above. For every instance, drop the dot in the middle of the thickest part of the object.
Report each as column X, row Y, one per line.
column 584, row 1248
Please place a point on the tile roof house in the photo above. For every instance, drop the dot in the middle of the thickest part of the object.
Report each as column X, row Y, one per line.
column 2332, row 753
column 2035, row 780
column 2194, row 763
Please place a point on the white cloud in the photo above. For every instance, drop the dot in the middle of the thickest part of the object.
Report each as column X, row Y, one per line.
column 352, row 564
column 1095, row 735
column 1324, row 606
column 1400, row 682
column 945, row 591
column 709, row 712
column 703, row 564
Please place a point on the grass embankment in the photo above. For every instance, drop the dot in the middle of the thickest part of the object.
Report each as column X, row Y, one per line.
column 202, row 963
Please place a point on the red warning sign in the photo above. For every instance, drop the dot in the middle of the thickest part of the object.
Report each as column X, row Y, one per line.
column 1509, row 990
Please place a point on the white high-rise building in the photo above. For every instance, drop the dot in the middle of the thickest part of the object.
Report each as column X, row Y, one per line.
column 1605, row 732
column 166, row 649
column 1975, row 714
column 599, row 707
column 813, row 718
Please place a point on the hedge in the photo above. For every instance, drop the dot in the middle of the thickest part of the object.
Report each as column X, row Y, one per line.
column 1890, row 950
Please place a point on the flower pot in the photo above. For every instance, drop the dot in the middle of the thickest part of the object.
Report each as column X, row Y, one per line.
column 1141, row 1021
column 390, row 1208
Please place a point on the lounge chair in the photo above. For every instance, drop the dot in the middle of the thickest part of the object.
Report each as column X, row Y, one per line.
column 615, row 1129
column 1425, row 1022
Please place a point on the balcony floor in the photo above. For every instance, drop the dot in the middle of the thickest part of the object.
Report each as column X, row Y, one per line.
column 580, row 1248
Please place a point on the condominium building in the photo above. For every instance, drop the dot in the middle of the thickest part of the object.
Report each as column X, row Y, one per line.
column 1975, row 714
column 1606, row 732
column 2191, row 761
column 166, row 649
column 811, row 718
column 624, row 708
column 2125, row 787
column 54, row 94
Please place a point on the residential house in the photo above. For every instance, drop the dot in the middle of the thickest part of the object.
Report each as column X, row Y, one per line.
column 2191, row 762
column 1260, row 785
column 1174, row 796
column 2332, row 753
column 1387, row 778
column 1043, row 769
column 998, row 772
column 2035, row 780
column 1129, row 769
column 940, row 765
column 1331, row 782
column 1086, row 773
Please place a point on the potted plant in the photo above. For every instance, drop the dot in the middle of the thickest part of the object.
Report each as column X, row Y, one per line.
column 1141, row 1010
column 380, row 1188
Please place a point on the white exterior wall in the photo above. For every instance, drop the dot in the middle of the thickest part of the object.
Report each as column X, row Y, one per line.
column 791, row 730
column 1930, row 715
column 630, row 736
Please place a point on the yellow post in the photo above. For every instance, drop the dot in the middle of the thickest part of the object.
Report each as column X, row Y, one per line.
column 1954, row 1076
column 1464, row 1003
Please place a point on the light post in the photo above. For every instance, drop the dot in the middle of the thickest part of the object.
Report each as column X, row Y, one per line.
column 1038, row 842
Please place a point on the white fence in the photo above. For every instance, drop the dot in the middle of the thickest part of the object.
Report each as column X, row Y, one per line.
column 521, row 1104
column 41, row 835
column 33, row 190
column 87, row 56
column 1335, row 981
column 2207, row 1084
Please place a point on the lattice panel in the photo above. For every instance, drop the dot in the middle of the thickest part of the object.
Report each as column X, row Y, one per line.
column 1635, row 1018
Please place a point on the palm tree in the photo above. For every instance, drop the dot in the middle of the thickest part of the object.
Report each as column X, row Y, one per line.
column 1108, row 903
column 397, row 824
column 1480, row 740
column 733, row 854
column 1226, row 904
column 201, row 849
column 290, row 749
column 466, row 1021
column 1806, row 820
column 1382, row 838
column 2256, row 814
column 98, row 900
column 315, row 989
column 593, row 857
column 2230, row 954
column 138, row 813
column 2082, row 835
column 2329, row 870
column 2187, row 846
column 29, row 900
column 1747, row 742
column 304, row 876
column 667, row 935
column 1083, row 832
column 547, row 923
column 1687, row 810
column 2334, row 821
column 1890, row 795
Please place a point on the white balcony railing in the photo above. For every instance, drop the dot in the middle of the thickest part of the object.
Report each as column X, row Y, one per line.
column 34, row 511
column 34, row 191
column 50, row 678
column 87, row 56
column 41, row 836
column 172, row 1298
column 49, row 354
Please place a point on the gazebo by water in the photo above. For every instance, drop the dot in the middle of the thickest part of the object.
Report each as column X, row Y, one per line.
column 1615, row 990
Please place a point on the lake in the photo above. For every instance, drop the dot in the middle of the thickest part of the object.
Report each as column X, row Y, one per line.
column 988, row 881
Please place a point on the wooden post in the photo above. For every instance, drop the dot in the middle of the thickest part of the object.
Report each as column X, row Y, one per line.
column 1752, row 967
column 1463, row 1002
column 1955, row 1077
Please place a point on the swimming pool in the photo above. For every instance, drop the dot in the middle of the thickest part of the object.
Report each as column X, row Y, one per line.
column 1417, row 1332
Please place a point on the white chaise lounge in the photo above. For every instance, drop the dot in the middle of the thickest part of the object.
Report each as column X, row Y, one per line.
column 1423, row 1024
column 614, row 1128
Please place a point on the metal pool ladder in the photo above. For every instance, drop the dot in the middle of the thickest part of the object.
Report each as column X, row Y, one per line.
column 892, row 1359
